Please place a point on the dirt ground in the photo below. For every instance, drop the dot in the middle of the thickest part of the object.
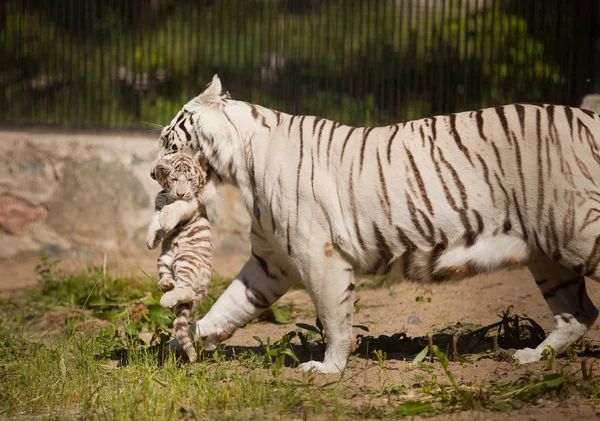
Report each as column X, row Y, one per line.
column 386, row 310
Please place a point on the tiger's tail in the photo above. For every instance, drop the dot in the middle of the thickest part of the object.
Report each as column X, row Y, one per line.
column 181, row 331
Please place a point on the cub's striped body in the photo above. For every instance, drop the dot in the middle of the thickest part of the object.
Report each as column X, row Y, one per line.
column 185, row 263
column 436, row 199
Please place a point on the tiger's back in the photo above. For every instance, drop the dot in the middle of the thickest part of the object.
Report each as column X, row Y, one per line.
column 473, row 192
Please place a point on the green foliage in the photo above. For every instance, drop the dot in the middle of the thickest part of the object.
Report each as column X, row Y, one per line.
column 109, row 372
column 280, row 314
column 345, row 60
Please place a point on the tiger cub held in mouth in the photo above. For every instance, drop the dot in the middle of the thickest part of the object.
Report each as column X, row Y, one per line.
column 185, row 262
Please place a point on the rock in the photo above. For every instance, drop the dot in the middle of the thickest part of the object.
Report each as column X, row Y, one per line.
column 97, row 203
column 16, row 214
column 74, row 195
column 413, row 320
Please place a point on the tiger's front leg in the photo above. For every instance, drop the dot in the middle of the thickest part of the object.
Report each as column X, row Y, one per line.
column 249, row 294
column 330, row 281
column 155, row 232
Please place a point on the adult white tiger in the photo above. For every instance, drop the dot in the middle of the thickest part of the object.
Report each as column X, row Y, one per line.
column 435, row 199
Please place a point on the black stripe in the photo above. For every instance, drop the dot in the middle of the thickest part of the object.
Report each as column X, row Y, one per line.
column 390, row 141
column 333, row 127
column 188, row 136
column 254, row 296
column 521, row 115
column 299, row 170
column 479, row 117
column 497, row 153
column 420, row 182
column 486, row 176
column 520, row 215
column 385, row 253
column 346, row 141
column 384, row 185
column 278, row 115
column 263, row 264
column 354, row 209
column 315, row 122
column 319, row 139
column 289, row 244
column 457, row 138
column 366, row 133
column 520, row 171
column 504, row 122
column 290, row 126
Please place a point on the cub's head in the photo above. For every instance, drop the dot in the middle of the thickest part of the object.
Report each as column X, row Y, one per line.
column 183, row 174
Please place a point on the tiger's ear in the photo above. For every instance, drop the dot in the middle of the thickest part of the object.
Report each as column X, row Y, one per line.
column 212, row 93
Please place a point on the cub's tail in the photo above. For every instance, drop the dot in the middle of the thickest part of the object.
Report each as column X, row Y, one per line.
column 181, row 331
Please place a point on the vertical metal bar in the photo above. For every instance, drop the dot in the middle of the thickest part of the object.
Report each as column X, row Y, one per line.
column 346, row 45
column 72, row 81
column 113, row 66
column 466, row 60
column 396, row 50
column 401, row 91
column 518, row 54
column 426, row 89
column 482, row 14
column 411, row 51
column 94, row 85
column 440, row 56
column 492, row 90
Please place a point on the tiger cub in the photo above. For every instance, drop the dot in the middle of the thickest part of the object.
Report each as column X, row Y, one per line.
column 185, row 263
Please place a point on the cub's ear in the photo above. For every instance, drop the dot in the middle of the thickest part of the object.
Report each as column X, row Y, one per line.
column 161, row 170
column 201, row 161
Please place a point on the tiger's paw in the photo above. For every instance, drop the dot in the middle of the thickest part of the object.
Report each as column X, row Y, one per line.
column 527, row 355
column 319, row 367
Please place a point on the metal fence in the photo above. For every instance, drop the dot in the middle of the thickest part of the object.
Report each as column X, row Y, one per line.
column 121, row 63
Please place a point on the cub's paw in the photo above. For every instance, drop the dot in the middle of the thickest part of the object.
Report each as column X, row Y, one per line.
column 154, row 238
column 527, row 355
column 166, row 284
column 176, row 297
column 167, row 221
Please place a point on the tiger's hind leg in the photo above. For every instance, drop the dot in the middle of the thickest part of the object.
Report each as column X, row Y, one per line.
column 564, row 291
column 165, row 273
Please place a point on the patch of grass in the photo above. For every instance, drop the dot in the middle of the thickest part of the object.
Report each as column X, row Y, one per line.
column 69, row 376
column 109, row 372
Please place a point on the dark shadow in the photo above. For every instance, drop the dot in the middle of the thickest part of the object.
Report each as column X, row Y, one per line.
column 456, row 342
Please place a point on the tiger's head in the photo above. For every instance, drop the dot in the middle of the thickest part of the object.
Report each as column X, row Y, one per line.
column 200, row 127
column 183, row 174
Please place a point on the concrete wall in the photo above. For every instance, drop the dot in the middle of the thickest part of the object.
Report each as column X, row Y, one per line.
column 80, row 195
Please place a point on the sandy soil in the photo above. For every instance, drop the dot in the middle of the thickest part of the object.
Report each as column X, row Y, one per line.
column 386, row 311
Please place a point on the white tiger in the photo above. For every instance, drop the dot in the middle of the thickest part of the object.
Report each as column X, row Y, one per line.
column 180, row 221
column 434, row 199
